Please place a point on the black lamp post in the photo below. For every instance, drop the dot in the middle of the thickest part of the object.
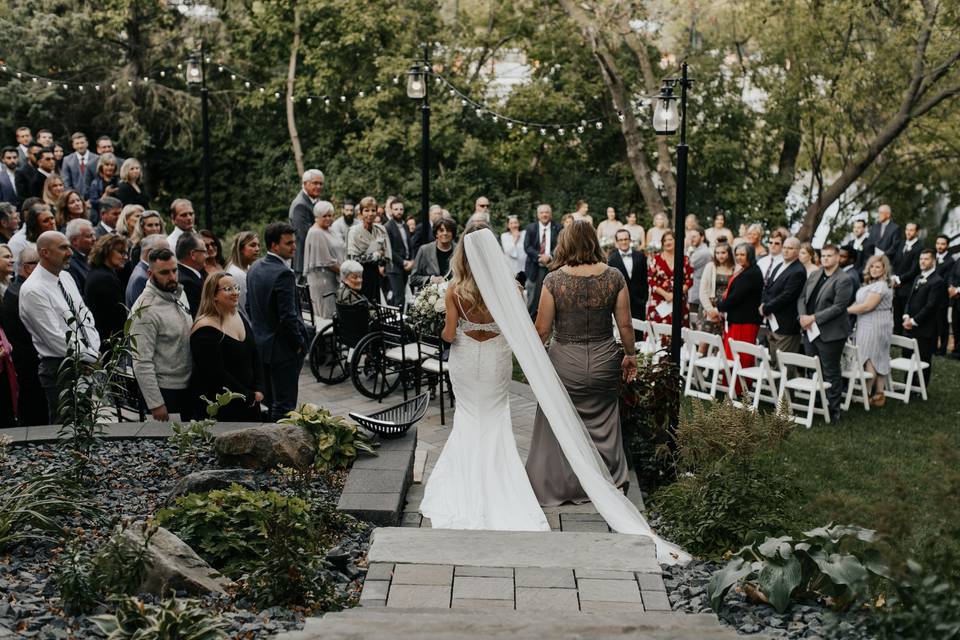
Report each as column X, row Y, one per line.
column 418, row 89
column 665, row 122
column 197, row 75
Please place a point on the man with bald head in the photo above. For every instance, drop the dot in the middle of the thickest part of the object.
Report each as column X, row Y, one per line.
column 51, row 307
column 885, row 235
column 301, row 212
column 781, row 290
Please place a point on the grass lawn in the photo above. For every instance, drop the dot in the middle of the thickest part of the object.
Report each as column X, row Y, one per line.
column 894, row 469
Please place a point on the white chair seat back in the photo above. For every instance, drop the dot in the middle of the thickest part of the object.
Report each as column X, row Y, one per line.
column 808, row 379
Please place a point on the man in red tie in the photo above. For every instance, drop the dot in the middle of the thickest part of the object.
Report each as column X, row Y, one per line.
column 538, row 244
column 80, row 166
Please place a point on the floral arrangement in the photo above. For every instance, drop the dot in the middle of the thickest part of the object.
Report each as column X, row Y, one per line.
column 427, row 314
column 606, row 245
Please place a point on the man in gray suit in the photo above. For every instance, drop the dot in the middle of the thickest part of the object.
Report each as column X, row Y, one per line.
column 432, row 264
column 301, row 213
column 823, row 317
column 80, row 166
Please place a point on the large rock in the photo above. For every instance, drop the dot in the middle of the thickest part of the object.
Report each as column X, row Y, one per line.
column 210, row 479
column 266, row 446
column 172, row 564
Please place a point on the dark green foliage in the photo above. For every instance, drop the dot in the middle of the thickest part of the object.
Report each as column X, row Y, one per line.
column 338, row 442
column 172, row 619
column 191, row 439
column 648, row 407
column 37, row 507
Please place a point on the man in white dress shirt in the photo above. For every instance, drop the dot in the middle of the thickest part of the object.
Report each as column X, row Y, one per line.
column 181, row 212
column 49, row 299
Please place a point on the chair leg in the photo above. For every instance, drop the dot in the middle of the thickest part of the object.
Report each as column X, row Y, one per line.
column 923, row 384
column 908, row 388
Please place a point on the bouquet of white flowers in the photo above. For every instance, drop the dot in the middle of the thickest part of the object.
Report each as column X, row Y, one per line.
column 606, row 245
column 428, row 313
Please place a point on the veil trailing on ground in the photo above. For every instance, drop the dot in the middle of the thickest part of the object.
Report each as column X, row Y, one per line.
column 496, row 284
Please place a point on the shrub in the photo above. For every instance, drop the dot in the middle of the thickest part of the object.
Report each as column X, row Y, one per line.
column 173, row 619
column 649, row 406
column 338, row 442
column 828, row 562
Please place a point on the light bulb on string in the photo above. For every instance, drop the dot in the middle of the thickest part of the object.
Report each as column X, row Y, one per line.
column 80, row 87
column 360, row 94
column 379, row 87
column 463, row 102
column 560, row 131
column 524, row 129
column 479, row 112
column 163, row 74
column 396, row 79
column 510, row 125
column 495, row 118
column 343, row 98
column 262, row 89
column 233, row 76
column 96, row 87
column 65, row 87
column 180, row 66
column 326, row 102
column 309, row 100
column 580, row 129
column 543, row 132
column 113, row 86
column 220, row 68
column 129, row 83
column 599, row 125
column 247, row 84
column 276, row 94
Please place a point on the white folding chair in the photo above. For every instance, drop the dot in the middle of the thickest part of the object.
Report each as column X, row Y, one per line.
column 646, row 342
column 858, row 379
column 661, row 331
column 812, row 388
column 709, row 372
column 911, row 366
column 761, row 376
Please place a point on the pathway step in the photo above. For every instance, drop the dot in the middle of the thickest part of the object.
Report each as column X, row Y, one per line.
column 436, row 624
column 594, row 550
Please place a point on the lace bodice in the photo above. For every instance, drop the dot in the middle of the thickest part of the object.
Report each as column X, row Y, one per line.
column 463, row 324
column 584, row 304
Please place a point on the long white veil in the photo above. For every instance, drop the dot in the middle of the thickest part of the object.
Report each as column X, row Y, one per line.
column 497, row 286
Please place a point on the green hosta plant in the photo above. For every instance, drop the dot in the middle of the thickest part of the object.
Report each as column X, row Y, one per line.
column 173, row 619
column 190, row 438
column 832, row 562
column 338, row 442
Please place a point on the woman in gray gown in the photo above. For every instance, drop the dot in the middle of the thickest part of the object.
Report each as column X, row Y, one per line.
column 579, row 296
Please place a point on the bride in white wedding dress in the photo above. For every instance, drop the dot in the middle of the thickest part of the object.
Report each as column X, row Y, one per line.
column 479, row 481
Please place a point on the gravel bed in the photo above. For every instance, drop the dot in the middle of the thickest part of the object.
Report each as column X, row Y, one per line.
column 687, row 591
column 133, row 480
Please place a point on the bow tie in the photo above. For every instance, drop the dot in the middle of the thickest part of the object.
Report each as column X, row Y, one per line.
column 625, row 254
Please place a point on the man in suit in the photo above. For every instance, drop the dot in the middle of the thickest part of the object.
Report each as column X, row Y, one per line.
column 538, row 243
column 278, row 327
column 78, row 167
column 905, row 270
column 632, row 265
column 301, row 212
column 862, row 242
column 80, row 235
column 953, row 299
column 26, row 176
column 401, row 250
column 781, row 292
column 24, row 138
column 9, row 221
column 9, row 160
column 919, row 319
column 191, row 256
column 945, row 268
column 848, row 264
column 823, row 308
column 885, row 234
column 110, row 209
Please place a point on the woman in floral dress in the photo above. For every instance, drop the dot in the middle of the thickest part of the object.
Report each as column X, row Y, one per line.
column 660, row 280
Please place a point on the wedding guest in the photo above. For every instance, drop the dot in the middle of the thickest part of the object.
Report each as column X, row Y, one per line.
column 215, row 261
column 713, row 286
column 512, row 241
column 774, row 256
column 580, row 297
column 432, row 264
column 740, row 304
column 782, row 288
column 906, row 269
column 58, row 153
column 656, row 232
column 350, row 294
column 243, row 253
column 321, row 264
column 689, row 224
column 150, row 223
column 873, row 307
column 224, row 353
column 131, row 189
column 826, row 296
column 566, row 220
column 6, row 268
column 808, row 258
column 637, row 237
column 140, row 273
column 81, row 238
column 699, row 255
column 128, row 221
column 341, row 226
column 862, row 242
column 368, row 244
column 182, row 216
column 32, row 401
column 540, row 238
column 104, row 184
column 660, row 281
column 70, row 206
column 632, row 265
column 953, row 299
column 608, row 228
column 945, row 267
column 9, row 392
column 52, row 190
column 191, row 256
column 110, row 209
column 719, row 230
column 301, row 212
column 104, row 291
column 37, row 219
column 755, row 238
column 919, row 318
column 886, row 237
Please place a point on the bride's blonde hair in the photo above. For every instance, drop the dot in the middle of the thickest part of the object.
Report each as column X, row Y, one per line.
column 463, row 282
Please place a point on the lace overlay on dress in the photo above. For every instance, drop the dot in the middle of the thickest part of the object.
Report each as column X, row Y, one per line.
column 463, row 324
column 584, row 304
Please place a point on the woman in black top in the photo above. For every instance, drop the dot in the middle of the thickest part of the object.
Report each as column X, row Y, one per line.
column 741, row 302
column 224, row 352
column 131, row 189
column 104, row 290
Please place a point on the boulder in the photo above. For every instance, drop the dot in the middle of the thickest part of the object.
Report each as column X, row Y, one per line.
column 210, row 479
column 265, row 447
column 172, row 564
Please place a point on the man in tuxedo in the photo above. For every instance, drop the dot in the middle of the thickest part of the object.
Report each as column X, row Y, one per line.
column 191, row 256
column 9, row 221
column 26, row 176
column 538, row 243
column 9, row 160
column 885, row 234
column 862, row 242
column 24, row 138
column 301, row 212
column 80, row 235
column 76, row 170
column 633, row 265
column 110, row 209
column 953, row 299
column 401, row 253
column 823, row 303
column 905, row 270
column 945, row 267
column 278, row 328
column 781, row 292
column 920, row 312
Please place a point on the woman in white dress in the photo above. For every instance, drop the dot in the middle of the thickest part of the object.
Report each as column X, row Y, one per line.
column 512, row 242
column 637, row 237
column 323, row 252
column 609, row 227
column 479, row 481
column 873, row 307
column 655, row 234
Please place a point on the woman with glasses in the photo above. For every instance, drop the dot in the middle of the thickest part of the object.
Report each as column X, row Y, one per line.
column 104, row 290
column 215, row 262
column 224, row 353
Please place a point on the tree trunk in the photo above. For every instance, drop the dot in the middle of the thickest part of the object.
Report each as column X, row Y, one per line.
column 291, row 78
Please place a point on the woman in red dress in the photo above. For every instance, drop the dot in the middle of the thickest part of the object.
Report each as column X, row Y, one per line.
column 740, row 304
column 660, row 280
